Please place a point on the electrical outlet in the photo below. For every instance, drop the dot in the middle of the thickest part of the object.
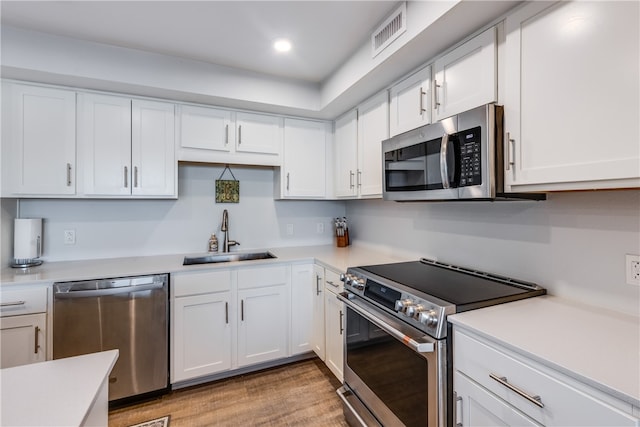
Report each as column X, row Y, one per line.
column 633, row 269
column 69, row 237
column 320, row 228
column 289, row 229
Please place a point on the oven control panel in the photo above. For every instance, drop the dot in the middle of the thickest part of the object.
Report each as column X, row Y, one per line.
column 418, row 312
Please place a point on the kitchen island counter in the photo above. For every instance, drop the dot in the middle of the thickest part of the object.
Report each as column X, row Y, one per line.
column 63, row 392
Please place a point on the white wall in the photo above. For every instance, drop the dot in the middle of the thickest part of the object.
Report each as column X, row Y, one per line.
column 116, row 228
column 573, row 244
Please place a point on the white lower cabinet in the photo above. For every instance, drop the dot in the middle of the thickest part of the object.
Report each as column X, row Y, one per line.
column 263, row 318
column 496, row 386
column 318, row 318
column 23, row 326
column 334, row 324
column 303, row 294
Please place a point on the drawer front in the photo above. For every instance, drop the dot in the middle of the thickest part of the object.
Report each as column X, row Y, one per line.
column 201, row 282
column 262, row 276
column 563, row 404
column 332, row 281
column 14, row 302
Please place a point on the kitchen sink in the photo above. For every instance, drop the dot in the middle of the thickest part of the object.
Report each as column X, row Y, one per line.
column 227, row 257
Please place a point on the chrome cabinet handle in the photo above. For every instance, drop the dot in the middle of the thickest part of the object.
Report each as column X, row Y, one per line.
column 226, row 134
column 457, row 412
column 318, row 278
column 36, row 345
column 135, row 176
column 126, row 176
column 536, row 400
column 511, row 149
column 351, row 179
column 341, row 316
column 444, row 169
column 332, row 284
column 436, row 103
column 12, row 304
column 68, row 174
column 226, row 312
column 39, row 246
column 359, row 178
column 239, row 134
column 242, row 310
column 422, row 94
column 287, row 181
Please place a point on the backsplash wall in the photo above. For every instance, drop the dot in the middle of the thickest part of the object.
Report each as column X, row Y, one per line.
column 120, row 228
column 573, row 244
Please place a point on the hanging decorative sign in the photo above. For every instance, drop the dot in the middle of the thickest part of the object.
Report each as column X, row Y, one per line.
column 227, row 191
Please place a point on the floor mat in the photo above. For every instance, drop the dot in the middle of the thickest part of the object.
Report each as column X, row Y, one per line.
column 158, row 422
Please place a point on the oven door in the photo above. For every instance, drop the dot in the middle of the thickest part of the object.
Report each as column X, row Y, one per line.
column 396, row 372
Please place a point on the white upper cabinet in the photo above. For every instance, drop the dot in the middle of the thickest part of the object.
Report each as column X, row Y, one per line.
column 206, row 128
column 571, row 122
column 38, row 141
column 466, row 77
column 304, row 167
column 346, row 154
column 410, row 102
column 373, row 128
column 258, row 133
column 126, row 147
column 153, row 149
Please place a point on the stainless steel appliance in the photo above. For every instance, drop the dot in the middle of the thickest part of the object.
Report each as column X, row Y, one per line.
column 458, row 158
column 397, row 355
column 129, row 314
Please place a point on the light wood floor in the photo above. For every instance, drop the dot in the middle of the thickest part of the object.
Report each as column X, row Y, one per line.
column 299, row 394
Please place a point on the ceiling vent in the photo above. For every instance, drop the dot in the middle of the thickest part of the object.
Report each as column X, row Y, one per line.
column 389, row 30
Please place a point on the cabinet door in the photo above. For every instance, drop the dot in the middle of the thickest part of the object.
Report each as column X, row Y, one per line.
column 304, row 159
column 410, row 102
column 346, row 154
column 22, row 339
column 258, row 133
column 303, row 293
column 573, row 124
column 466, row 77
column 39, row 141
column 334, row 328
column 373, row 128
column 104, row 144
column 201, row 336
column 263, row 327
column 153, row 149
column 318, row 321
column 478, row 407
column 205, row 128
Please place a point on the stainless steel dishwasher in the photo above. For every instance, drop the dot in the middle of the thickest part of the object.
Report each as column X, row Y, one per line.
column 129, row 314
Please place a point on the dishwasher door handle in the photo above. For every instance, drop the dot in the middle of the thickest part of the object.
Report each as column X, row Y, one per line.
column 107, row 291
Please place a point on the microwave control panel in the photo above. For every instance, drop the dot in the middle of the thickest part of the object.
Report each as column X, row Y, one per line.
column 470, row 157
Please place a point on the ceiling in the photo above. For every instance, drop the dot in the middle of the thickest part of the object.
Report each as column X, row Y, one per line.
column 237, row 34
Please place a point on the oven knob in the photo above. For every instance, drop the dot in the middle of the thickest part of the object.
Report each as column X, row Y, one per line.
column 410, row 311
column 358, row 283
column 345, row 277
column 402, row 304
column 428, row 318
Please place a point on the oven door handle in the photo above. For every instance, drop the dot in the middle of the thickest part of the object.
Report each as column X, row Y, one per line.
column 416, row 343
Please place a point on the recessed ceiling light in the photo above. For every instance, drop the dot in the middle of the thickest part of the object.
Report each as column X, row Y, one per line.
column 282, row 45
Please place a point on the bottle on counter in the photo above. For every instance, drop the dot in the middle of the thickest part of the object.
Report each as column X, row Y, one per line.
column 213, row 243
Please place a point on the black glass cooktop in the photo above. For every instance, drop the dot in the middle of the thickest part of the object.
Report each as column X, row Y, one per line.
column 465, row 291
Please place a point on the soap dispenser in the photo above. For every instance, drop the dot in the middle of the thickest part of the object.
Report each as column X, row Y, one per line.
column 213, row 243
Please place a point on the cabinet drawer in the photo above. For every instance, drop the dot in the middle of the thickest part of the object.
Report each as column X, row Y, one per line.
column 563, row 404
column 262, row 276
column 332, row 280
column 201, row 282
column 15, row 302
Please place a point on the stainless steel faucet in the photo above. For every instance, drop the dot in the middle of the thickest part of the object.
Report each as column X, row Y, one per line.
column 225, row 229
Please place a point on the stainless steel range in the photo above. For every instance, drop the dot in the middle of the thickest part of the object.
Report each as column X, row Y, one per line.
column 397, row 357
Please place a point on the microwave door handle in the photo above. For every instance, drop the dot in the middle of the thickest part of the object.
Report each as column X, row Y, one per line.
column 444, row 169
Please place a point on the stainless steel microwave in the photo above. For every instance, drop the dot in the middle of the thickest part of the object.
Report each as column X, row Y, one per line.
column 459, row 158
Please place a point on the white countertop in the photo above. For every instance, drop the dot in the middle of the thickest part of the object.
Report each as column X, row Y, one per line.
column 329, row 255
column 598, row 347
column 54, row 393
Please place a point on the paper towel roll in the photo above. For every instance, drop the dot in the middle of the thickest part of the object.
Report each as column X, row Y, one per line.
column 27, row 238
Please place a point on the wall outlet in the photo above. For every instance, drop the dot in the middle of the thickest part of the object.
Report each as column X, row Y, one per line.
column 289, row 229
column 633, row 269
column 320, row 228
column 69, row 237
